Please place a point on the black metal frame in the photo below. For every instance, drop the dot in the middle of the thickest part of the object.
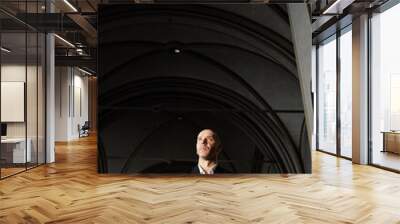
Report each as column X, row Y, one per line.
column 369, row 114
column 37, row 164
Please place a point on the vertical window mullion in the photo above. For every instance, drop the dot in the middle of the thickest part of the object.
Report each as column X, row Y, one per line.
column 317, row 97
column 369, row 100
column 338, row 73
column 0, row 92
column 26, row 86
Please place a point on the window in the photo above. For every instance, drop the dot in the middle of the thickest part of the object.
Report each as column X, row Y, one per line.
column 385, row 88
column 346, row 93
column 327, row 96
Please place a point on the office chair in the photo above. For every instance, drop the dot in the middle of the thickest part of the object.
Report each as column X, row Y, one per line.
column 84, row 130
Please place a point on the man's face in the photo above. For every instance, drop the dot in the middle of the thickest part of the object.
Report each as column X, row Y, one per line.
column 206, row 144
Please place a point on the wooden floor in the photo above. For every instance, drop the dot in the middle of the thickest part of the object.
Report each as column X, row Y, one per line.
column 71, row 191
column 387, row 159
column 5, row 172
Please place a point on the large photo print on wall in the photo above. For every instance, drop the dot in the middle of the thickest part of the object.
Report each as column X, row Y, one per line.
column 199, row 89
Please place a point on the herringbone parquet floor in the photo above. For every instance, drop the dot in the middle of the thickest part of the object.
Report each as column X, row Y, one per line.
column 71, row 191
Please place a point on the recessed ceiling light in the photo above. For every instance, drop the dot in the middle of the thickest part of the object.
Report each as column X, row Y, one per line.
column 70, row 5
column 337, row 7
column 177, row 51
column 84, row 71
column 65, row 41
column 5, row 50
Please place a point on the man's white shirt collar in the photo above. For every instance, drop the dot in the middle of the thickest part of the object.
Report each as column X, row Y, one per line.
column 202, row 171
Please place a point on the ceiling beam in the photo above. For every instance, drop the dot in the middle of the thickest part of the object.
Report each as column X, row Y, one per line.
column 81, row 61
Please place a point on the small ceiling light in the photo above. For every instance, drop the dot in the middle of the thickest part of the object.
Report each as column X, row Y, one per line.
column 70, row 5
column 5, row 50
column 337, row 7
column 177, row 51
column 65, row 41
column 84, row 71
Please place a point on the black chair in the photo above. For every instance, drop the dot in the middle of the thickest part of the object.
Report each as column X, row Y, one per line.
column 84, row 130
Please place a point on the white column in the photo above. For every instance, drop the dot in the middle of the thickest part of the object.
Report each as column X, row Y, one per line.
column 360, row 90
column 50, row 93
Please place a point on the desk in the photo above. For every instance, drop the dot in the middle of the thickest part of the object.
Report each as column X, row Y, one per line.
column 13, row 150
column 391, row 141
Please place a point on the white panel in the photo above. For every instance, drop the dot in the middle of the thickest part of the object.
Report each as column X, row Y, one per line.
column 12, row 101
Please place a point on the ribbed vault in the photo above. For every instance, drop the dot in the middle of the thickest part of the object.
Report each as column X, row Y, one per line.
column 166, row 72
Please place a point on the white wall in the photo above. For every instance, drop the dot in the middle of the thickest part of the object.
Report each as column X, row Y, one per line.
column 33, row 126
column 61, row 103
column 17, row 72
column 71, row 102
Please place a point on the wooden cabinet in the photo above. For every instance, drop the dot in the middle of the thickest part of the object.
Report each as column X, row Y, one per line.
column 391, row 142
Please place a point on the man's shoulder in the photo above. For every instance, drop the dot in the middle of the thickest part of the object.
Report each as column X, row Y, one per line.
column 220, row 169
column 195, row 169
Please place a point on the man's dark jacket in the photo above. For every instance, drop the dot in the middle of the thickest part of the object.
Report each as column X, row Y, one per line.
column 217, row 170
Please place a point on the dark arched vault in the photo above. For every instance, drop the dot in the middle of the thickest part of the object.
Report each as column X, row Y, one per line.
column 168, row 71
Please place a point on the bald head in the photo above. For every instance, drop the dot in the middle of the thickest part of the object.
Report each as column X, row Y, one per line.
column 208, row 144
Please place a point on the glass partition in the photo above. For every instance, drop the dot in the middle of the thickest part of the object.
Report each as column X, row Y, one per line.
column 327, row 96
column 41, row 91
column 31, row 100
column 385, row 89
column 22, row 90
column 14, row 150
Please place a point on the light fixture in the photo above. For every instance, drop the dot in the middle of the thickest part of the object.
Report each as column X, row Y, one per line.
column 84, row 71
column 329, row 9
column 337, row 7
column 65, row 41
column 177, row 51
column 5, row 50
column 70, row 5
column 80, row 51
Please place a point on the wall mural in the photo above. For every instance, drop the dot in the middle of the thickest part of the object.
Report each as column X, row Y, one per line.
column 199, row 89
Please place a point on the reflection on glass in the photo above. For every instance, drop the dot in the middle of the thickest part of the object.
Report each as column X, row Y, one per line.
column 14, row 151
column 31, row 101
column 386, row 88
column 345, row 94
column 327, row 96
column 41, row 98
column 22, row 90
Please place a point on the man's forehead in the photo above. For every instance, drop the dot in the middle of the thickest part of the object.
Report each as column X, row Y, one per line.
column 205, row 133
